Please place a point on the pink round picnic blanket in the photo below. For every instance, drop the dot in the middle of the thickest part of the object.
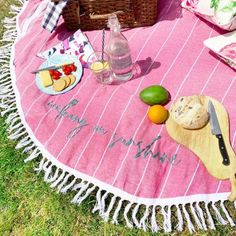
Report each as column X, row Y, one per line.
column 97, row 138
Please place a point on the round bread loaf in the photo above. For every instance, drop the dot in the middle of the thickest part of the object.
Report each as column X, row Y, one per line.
column 189, row 112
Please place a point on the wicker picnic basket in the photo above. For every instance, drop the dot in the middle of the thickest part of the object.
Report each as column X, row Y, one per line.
column 93, row 14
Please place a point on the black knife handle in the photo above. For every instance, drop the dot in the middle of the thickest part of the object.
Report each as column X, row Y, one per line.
column 223, row 150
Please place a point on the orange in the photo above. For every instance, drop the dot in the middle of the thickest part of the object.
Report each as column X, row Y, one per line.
column 158, row 114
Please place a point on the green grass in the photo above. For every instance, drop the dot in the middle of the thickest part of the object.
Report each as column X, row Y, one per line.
column 28, row 206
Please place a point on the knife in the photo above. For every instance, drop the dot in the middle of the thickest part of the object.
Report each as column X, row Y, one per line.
column 54, row 67
column 215, row 130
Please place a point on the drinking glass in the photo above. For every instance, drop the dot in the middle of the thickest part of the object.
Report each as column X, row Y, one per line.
column 98, row 64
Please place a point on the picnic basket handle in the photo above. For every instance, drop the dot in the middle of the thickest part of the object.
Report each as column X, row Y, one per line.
column 94, row 16
column 103, row 16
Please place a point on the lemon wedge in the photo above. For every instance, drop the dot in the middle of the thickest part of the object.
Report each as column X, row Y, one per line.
column 97, row 66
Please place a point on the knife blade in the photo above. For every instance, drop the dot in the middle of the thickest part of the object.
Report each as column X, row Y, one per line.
column 54, row 67
column 215, row 130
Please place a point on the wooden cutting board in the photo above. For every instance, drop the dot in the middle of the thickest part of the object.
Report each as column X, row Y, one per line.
column 205, row 145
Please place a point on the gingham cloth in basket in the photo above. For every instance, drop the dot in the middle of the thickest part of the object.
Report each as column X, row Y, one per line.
column 52, row 14
column 97, row 138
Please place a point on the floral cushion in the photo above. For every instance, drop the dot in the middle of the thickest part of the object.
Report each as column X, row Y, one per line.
column 224, row 46
column 219, row 12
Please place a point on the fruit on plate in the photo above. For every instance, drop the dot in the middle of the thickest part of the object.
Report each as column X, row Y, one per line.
column 73, row 67
column 154, row 94
column 68, row 69
column 158, row 114
column 55, row 74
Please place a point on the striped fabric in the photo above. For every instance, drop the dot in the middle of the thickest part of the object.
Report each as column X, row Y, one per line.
column 52, row 14
column 113, row 145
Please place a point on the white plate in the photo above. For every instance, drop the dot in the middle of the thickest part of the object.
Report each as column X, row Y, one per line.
column 55, row 60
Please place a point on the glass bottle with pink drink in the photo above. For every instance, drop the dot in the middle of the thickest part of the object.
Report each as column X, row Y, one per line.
column 118, row 51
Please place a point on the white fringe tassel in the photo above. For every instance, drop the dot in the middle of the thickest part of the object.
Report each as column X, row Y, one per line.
column 143, row 221
column 40, row 167
column 218, row 215
column 68, row 186
column 180, row 219
column 48, row 171
column 88, row 192
column 134, row 214
column 126, row 211
column 51, row 178
column 60, row 186
column 167, row 219
column 189, row 222
column 109, row 209
column 102, row 207
column 209, row 217
column 83, row 188
column 230, row 220
column 201, row 216
column 194, row 213
column 36, row 152
column 98, row 201
column 116, row 213
column 154, row 227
